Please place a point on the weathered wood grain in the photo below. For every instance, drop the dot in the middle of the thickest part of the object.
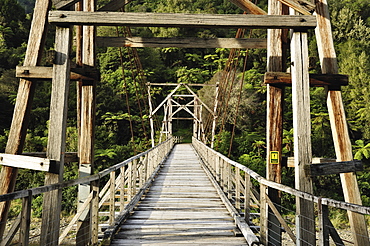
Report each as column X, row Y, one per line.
column 22, row 109
column 182, row 206
column 139, row 42
column 39, row 72
column 282, row 78
column 29, row 162
column 301, row 6
column 249, row 7
column 338, row 122
column 271, row 232
column 302, row 136
column 181, row 20
column 57, row 134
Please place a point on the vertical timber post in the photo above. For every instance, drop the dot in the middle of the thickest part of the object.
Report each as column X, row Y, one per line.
column 275, row 98
column 214, row 116
column 57, row 135
column 151, row 115
column 22, row 109
column 195, row 121
column 86, row 111
column 305, row 220
column 342, row 143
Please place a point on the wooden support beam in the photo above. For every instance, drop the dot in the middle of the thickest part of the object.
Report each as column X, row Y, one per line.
column 305, row 218
column 248, row 7
column 285, row 79
column 335, row 168
column 274, row 124
column 68, row 156
column 57, row 134
column 182, row 20
column 23, row 105
column 28, row 162
column 302, row 6
column 64, row 4
column 114, row 5
column 139, row 42
column 175, row 84
column 86, row 123
column 38, row 72
column 338, row 122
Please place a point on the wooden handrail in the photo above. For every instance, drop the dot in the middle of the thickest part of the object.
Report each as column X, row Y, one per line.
column 325, row 201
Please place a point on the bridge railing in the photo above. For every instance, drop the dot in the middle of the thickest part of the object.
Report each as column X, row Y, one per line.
column 127, row 181
column 235, row 181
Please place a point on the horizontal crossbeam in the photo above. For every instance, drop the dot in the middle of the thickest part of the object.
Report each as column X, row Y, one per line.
column 39, row 72
column 335, row 168
column 28, row 162
column 139, row 42
column 281, row 78
column 182, row 20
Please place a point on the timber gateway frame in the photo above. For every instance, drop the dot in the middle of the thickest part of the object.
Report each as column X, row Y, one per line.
column 304, row 16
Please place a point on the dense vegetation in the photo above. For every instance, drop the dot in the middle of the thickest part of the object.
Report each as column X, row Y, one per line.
column 118, row 85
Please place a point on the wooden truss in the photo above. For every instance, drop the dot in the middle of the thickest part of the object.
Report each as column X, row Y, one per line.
column 277, row 21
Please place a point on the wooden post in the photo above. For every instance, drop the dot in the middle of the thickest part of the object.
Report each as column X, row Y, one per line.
column 214, row 121
column 22, row 109
column 86, row 110
column 305, row 221
column 275, row 98
column 170, row 110
column 95, row 213
column 57, row 134
column 323, row 214
column 112, row 200
column 247, row 197
column 24, row 234
column 129, row 182
column 195, row 121
column 237, row 188
column 122, row 189
column 342, row 143
column 263, row 215
column 151, row 116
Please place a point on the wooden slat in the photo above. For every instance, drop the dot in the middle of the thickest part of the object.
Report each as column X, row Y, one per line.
column 189, row 210
column 181, row 20
column 302, row 6
column 38, row 72
column 28, row 162
column 249, row 7
column 114, row 5
column 336, row 168
column 282, row 78
column 139, row 42
column 68, row 156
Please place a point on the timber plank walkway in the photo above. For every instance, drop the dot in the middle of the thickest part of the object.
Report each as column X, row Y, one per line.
column 182, row 207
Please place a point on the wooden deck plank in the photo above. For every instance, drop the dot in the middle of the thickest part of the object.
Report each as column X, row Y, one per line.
column 181, row 208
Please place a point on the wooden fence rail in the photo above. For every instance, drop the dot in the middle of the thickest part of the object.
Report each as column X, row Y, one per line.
column 229, row 175
column 127, row 182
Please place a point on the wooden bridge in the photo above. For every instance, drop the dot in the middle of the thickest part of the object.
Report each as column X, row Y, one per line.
column 132, row 202
column 178, row 194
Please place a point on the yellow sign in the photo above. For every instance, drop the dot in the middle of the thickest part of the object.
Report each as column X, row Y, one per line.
column 274, row 157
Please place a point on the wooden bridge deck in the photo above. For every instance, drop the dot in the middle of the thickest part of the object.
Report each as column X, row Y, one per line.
column 182, row 207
